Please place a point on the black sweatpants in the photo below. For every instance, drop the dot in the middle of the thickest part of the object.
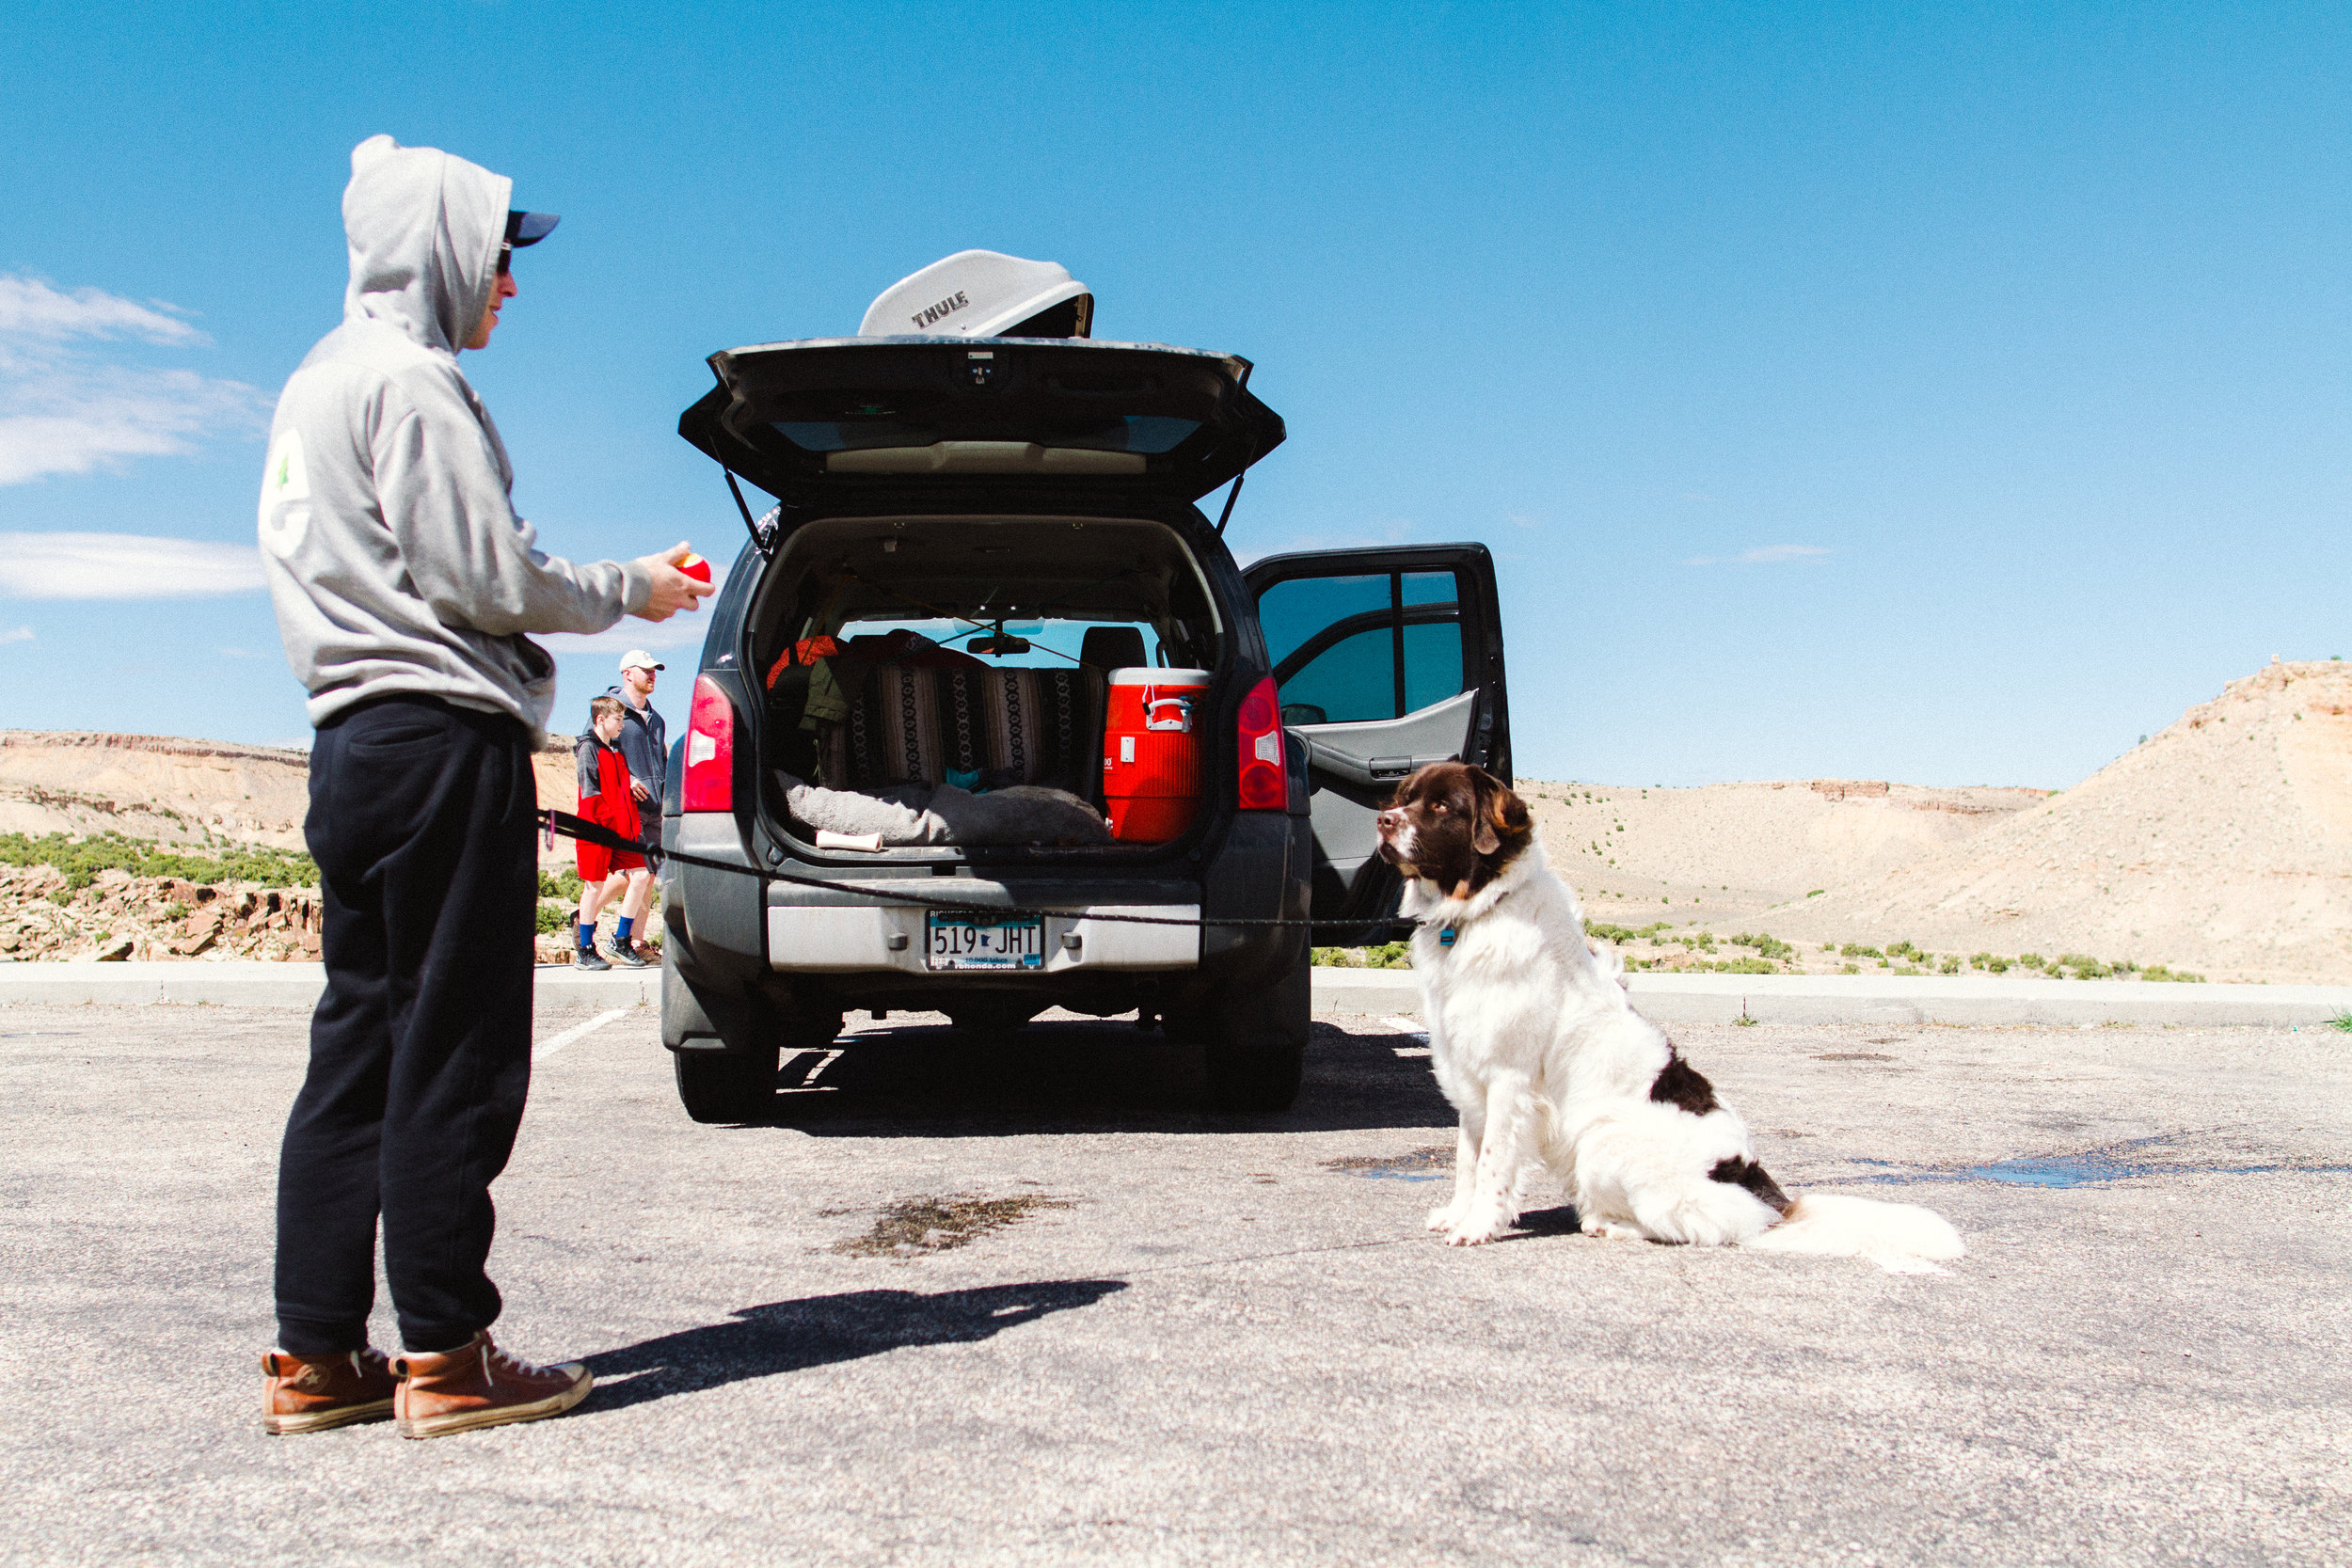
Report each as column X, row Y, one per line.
column 421, row 823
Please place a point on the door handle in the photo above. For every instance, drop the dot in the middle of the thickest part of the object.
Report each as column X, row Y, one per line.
column 1377, row 770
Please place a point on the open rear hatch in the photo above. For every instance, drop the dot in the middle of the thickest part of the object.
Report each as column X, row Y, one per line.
column 846, row 421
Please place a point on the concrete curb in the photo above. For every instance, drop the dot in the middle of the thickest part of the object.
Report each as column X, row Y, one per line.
column 1807, row 999
column 1817, row 999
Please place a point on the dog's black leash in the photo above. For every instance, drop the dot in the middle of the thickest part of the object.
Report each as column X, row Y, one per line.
column 552, row 823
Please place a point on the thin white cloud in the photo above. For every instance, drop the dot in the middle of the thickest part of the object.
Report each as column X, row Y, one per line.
column 68, row 408
column 22, row 634
column 123, row 566
column 1763, row 555
column 31, row 309
column 1521, row 519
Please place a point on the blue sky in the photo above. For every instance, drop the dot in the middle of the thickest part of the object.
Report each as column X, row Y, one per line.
column 1937, row 393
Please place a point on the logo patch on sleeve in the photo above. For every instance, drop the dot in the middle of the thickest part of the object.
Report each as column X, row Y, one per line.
column 285, row 497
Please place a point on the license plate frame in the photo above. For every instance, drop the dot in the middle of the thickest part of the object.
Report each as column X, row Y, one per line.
column 982, row 940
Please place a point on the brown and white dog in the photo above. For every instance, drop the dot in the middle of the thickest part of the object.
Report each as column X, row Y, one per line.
column 1547, row 1064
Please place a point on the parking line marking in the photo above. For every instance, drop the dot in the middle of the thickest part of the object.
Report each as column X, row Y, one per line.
column 578, row 1030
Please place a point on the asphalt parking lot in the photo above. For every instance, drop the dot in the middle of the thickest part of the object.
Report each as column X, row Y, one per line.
column 1022, row 1301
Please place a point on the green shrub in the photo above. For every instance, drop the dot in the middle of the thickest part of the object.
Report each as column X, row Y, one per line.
column 560, row 884
column 552, row 919
column 1855, row 950
column 1607, row 932
column 2161, row 973
column 2342, row 1020
column 175, row 910
column 1746, row 966
column 1764, row 942
column 2084, row 965
column 1901, row 950
column 1949, row 966
column 2031, row 961
column 81, row 860
column 1390, row 955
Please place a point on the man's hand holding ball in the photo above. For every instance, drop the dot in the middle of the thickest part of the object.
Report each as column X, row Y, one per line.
column 679, row 577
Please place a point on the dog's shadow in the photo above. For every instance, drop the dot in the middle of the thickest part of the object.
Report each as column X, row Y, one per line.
column 818, row 1331
column 1561, row 1221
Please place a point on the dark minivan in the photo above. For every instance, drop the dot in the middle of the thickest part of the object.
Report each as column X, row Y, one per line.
column 987, row 623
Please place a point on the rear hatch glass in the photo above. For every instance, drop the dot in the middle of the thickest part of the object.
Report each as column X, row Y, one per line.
column 833, row 417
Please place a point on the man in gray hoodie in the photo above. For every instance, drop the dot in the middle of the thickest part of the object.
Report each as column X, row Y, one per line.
column 405, row 586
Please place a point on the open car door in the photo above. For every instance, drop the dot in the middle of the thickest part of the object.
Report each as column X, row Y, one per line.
column 1388, row 660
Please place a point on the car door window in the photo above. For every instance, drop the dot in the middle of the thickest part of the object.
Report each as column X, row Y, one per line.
column 1348, row 649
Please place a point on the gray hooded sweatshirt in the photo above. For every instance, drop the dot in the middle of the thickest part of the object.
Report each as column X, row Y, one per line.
column 395, row 561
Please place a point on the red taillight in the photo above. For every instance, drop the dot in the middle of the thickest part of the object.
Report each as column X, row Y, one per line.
column 1263, row 784
column 709, row 784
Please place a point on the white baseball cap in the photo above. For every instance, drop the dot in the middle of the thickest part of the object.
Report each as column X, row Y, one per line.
column 983, row 294
column 637, row 658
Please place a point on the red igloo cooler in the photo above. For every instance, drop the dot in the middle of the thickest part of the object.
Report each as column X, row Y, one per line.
column 1151, row 729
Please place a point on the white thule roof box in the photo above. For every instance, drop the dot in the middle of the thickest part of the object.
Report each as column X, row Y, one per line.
column 982, row 294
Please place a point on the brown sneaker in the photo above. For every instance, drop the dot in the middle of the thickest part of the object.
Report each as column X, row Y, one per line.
column 480, row 1386
column 311, row 1393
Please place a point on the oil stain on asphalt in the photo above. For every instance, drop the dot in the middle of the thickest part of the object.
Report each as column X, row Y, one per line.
column 913, row 1226
column 1426, row 1163
column 2116, row 1161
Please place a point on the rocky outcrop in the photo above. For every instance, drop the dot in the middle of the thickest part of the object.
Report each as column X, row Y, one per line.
column 120, row 917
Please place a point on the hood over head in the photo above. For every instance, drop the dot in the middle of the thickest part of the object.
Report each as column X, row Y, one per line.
column 424, row 228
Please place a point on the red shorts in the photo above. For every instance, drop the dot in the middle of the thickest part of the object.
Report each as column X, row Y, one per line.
column 596, row 862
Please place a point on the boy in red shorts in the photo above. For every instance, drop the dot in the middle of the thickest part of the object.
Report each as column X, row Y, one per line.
column 606, row 799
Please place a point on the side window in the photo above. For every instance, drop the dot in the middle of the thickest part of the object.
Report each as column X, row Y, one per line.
column 1356, row 648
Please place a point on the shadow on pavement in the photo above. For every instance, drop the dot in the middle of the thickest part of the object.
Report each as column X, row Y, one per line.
column 818, row 1331
column 935, row 1081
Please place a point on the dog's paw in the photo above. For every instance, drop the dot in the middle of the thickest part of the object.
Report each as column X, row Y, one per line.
column 1478, row 1231
column 1604, row 1230
column 1445, row 1217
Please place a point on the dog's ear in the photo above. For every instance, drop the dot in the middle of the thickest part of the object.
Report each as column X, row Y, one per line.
column 1501, row 812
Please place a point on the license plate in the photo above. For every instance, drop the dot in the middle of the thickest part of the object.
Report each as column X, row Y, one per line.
column 977, row 939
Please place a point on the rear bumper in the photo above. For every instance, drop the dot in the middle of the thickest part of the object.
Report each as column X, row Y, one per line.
column 818, row 939
column 737, row 951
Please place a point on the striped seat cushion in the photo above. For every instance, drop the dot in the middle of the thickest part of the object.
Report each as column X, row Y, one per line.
column 910, row 725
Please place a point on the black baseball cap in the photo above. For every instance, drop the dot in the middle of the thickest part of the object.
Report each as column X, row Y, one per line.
column 524, row 229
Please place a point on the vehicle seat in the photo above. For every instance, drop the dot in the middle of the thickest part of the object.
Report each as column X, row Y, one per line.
column 911, row 724
column 1108, row 648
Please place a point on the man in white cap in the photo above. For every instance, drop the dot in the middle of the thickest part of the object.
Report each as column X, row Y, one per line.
column 404, row 587
column 645, row 746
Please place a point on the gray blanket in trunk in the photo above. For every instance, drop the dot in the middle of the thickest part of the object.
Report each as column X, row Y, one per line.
column 919, row 813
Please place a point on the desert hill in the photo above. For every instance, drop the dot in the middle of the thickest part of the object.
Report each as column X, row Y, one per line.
column 1720, row 851
column 2223, row 844
column 175, row 790
column 160, row 787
